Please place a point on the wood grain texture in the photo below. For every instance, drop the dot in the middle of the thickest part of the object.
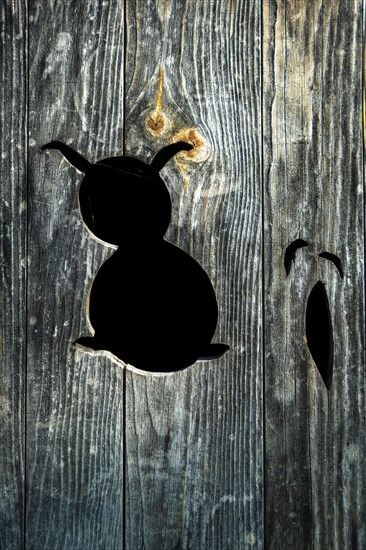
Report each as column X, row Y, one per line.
column 13, row 237
column 270, row 94
column 74, row 400
column 74, row 466
column 315, row 438
column 194, row 438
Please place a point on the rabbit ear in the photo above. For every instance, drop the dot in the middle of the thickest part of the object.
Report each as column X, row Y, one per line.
column 163, row 156
column 72, row 156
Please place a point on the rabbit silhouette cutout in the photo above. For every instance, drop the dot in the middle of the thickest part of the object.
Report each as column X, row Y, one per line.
column 151, row 304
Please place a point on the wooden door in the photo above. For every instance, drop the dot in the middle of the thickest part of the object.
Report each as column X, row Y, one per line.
column 251, row 450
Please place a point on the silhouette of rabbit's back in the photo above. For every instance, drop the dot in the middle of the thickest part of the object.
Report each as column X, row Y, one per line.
column 155, row 309
column 151, row 304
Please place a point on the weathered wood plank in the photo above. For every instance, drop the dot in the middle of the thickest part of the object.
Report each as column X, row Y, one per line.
column 315, row 438
column 75, row 400
column 13, row 234
column 194, row 438
column 74, row 466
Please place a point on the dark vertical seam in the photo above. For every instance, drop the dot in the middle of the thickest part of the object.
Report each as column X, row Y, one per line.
column 25, row 319
column 124, row 73
column 124, row 454
column 264, row 472
column 286, row 489
column 363, row 98
column 124, row 377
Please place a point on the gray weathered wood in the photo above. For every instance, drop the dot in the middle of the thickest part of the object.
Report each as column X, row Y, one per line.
column 315, row 438
column 193, row 459
column 13, row 215
column 194, row 438
column 75, row 400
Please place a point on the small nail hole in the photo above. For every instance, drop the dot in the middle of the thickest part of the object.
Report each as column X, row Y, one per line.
column 319, row 334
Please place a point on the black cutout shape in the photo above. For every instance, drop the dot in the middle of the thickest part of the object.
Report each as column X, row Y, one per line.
column 151, row 304
column 291, row 253
column 336, row 261
column 319, row 333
